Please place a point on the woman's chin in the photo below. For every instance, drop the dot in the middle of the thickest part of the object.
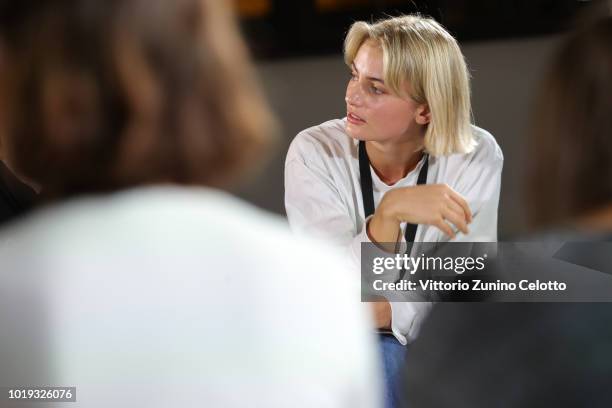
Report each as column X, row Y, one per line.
column 356, row 134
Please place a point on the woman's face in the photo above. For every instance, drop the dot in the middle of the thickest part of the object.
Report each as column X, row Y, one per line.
column 374, row 113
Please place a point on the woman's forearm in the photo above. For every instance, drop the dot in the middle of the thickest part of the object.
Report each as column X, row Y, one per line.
column 384, row 231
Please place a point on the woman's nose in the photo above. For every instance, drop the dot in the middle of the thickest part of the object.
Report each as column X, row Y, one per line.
column 352, row 96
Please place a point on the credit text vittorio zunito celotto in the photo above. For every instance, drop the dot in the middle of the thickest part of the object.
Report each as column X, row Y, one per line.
column 458, row 265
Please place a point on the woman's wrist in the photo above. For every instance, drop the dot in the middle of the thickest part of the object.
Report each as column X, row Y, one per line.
column 383, row 229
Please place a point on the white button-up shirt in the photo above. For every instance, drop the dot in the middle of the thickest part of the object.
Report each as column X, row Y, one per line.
column 323, row 197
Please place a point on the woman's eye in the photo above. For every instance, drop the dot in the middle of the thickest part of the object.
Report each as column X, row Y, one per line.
column 376, row 90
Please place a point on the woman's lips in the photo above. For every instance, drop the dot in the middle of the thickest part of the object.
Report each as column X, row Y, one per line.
column 354, row 119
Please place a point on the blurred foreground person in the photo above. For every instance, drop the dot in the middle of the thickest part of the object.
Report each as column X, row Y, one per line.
column 133, row 284
column 545, row 354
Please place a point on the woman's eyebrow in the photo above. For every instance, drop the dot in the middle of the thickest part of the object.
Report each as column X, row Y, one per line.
column 371, row 78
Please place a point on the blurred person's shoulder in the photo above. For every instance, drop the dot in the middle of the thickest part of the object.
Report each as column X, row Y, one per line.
column 201, row 222
column 202, row 257
column 191, row 231
column 200, row 236
column 326, row 141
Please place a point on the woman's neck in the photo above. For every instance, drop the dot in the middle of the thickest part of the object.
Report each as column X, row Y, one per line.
column 393, row 161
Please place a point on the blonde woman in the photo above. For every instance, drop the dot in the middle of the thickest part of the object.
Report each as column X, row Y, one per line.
column 405, row 164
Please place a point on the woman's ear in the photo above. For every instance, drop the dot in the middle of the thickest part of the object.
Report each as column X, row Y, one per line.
column 423, row 114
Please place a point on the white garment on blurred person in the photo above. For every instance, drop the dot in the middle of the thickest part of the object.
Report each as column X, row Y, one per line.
column 168, row 297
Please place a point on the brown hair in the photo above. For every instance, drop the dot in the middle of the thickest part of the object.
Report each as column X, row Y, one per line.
column 571, row 166
column 104, row 95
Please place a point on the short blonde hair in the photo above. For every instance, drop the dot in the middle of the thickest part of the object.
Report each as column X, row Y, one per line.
column 420, row 53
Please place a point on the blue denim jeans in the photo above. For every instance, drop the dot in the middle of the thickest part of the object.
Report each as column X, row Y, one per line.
column 393, row 359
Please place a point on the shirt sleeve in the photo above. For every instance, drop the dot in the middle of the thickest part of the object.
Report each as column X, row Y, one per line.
column 315, row 208
column 478, row 180
column 480, row 184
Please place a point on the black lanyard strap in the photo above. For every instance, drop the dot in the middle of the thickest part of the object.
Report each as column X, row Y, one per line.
column 367, row 193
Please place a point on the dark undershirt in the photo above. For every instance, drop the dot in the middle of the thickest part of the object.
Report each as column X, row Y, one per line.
column 16, row 198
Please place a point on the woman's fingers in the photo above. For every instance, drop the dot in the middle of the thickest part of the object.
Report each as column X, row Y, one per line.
column 457, row 209
column 444, row 227
column 462, row 203
column 437, row 205
column 458, row 220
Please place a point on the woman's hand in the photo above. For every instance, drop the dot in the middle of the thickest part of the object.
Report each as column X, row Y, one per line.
column 431, row 204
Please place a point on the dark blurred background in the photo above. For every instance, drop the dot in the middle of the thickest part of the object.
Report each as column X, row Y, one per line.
column 298, row 48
